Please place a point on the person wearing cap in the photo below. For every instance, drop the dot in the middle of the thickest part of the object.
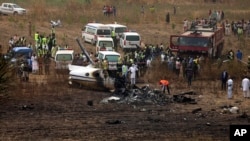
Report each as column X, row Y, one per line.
column 164, row 85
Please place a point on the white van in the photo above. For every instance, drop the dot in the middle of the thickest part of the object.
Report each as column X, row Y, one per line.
column 92, row 31
column 63, row 58
column 104, row 44
column 130, row 40
column 118, row 28
column 112, row 58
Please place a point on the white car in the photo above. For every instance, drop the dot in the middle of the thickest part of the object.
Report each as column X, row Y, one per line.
column 12, row 9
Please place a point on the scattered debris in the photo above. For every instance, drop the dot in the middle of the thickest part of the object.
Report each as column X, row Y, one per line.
column 90, row 103
column 110, row 99
column 114, row 121
column 243, row 115
column 27, row 107
column 146, row 95
column 182, row 98
column 208, row 124
column 230, row 109
column 196, row 110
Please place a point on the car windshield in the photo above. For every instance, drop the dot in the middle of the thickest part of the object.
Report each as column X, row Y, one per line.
column 133, row 38
column 120, row 29
column 194, row 41
column 64, row 57
column 16, row 6
column 106, row 44
column 103, row 32
column 112, row 58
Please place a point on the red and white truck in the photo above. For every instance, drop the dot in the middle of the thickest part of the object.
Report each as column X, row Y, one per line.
column 204, row 40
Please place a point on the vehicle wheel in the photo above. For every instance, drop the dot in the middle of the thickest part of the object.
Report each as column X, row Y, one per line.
column 15, row 13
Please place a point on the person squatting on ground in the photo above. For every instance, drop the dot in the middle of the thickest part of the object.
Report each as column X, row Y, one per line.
column 245, row 87
column 164, row 85
column 230, row 88
column 224, row 77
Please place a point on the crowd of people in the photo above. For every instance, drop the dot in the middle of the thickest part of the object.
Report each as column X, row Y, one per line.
column 109, row 10
column 227, row 83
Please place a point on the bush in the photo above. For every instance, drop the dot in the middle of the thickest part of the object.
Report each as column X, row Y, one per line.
column 6, row 75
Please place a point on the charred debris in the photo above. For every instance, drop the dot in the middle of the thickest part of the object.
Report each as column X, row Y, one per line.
column 147, row 95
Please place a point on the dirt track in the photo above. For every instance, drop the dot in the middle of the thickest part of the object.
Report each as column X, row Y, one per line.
column 43, row 113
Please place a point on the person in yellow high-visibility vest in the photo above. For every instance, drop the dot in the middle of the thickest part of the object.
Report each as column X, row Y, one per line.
column 36, row 39
column 105, row 68
column 114, row 39
column 44, row 41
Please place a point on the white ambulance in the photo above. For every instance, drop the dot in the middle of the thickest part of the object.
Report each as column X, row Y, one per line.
column 92, row 31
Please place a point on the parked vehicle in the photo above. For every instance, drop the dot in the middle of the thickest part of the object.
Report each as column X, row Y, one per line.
column 118, row 28
column 12, row 9
column 92, row 31
column 112, row 58
column 204, row 40
column 19, row 54
column 130, row 40
column 63, row 58
column 104, row 44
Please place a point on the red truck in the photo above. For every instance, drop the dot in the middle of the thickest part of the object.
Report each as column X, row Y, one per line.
column 199, row 40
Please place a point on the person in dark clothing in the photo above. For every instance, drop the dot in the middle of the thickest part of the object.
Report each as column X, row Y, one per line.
column 120, row 81
column 174, row 10
column 168, row 18
column 189, row 74
column 224, row 77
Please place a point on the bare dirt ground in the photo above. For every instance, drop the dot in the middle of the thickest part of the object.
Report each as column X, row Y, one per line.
column 46, row 109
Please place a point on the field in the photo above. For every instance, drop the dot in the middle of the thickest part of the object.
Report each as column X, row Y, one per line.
column 46, row 109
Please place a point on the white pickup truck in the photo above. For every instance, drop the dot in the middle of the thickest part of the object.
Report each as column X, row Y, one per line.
column 11, row 9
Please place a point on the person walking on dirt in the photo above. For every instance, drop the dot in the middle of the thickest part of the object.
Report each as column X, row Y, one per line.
column 164, row 85
column 230, row 88
column 239, row 55
column 224, row 78
column 168, row 18
column 245, row 87
column 46, row 64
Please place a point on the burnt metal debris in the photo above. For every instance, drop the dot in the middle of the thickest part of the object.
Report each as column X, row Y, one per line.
column 147, row 95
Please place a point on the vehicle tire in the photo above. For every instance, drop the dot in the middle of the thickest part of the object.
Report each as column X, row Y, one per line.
column 15, row 13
